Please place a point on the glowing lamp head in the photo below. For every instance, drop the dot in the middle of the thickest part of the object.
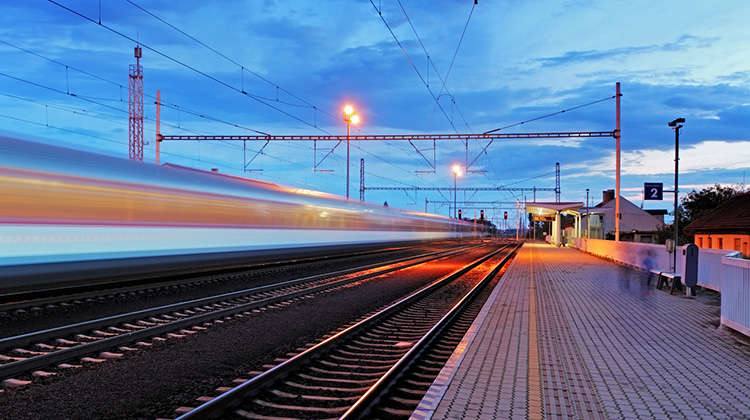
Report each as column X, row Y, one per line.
column 348, row 110
column 456, row 170
column 355, row 119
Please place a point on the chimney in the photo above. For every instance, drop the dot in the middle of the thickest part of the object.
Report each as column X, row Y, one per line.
column 608, row 196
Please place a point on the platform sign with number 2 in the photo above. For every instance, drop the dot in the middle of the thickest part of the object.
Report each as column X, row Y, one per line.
column 653, row 191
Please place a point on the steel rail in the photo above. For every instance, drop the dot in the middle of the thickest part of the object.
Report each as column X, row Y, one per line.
column 23, row 299
column 230, row 399
column 38, row 361
column 373, row 396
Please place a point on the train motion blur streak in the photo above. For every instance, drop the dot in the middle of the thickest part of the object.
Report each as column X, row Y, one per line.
column 72, row 211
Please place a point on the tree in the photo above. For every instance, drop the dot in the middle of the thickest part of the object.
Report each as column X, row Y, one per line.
column 696, row 204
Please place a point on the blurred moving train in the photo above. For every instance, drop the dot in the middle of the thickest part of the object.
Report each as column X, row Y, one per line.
column 67, row 214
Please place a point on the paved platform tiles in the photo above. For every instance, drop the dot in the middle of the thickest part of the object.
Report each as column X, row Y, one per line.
column 566, row 335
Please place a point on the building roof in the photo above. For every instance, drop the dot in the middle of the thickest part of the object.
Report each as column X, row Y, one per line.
column 733, row 214
column 632, row 217
column 547, row 209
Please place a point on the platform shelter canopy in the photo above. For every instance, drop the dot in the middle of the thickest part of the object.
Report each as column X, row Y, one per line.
column 552, row 208
column 552, row 211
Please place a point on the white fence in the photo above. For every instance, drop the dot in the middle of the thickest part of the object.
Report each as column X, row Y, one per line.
column 634, row 254
column 735, row 296
column 718, row 269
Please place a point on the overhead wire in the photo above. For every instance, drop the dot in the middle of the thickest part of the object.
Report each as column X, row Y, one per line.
column 59, row 63
column 187, row 66
column 86, row 113
column 163, row 102
column 444, row 81
column 244, row 68
column 196, row 70
column 81, row 112
column 427, row 85
column 91, row 99
column 552, row 114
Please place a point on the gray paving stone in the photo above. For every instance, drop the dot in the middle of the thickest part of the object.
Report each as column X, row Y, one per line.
column 607, row 346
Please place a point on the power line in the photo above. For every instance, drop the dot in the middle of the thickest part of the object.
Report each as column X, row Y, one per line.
column 255, row 97
column 427, row 85
column 549, row 115
column 168, row 104
column 60, row 91
column 91, row 99
column 164, row 103
column 206, row 75
column 241, row 66
column 444, row 81
column 59, row 63
column 176, row 61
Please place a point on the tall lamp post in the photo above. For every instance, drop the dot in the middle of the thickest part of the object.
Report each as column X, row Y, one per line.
column 676, row 127
column 588, row 225
column 456, row 174
column 350, row 117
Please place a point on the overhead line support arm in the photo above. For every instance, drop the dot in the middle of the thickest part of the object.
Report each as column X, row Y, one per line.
column 387, row 137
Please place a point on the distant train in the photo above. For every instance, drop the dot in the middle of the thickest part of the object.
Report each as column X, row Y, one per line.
column 67, row 214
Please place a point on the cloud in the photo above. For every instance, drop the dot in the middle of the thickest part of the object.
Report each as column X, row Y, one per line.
column 683, row 43
column 705, row 156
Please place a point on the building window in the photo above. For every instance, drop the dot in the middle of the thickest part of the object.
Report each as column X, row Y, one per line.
column 709, row 242
column 721, row 243
column 736, row 244
column 700, row 242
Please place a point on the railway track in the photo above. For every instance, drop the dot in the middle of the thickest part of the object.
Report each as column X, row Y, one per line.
column 50, row 298
column 350, row 373
column 109, row 337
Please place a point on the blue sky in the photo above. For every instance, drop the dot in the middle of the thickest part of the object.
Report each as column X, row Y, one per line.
column 64, row 80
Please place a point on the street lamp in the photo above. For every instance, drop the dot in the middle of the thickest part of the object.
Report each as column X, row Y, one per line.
column 588, row 222
column 350, row 117
column 456, row 174
column 676, row 127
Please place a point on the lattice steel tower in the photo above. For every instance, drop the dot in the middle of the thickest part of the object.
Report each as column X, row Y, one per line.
column 557, row 182
column 135, row 109
column 362, row 180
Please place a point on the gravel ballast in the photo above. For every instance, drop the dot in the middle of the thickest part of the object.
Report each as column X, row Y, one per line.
column 153, row 382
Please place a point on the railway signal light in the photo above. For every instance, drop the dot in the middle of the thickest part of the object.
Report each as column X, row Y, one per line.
column 459, row 214
column 505, row 215
column 481, row 214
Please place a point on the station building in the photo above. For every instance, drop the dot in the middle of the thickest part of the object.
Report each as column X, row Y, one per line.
column 597, row 222
column 636, row 224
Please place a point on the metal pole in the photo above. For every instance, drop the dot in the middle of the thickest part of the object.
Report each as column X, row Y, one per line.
column 455, row 192
column 617, row 169
column 347, row 159
column 676, row 190
column 158, row 123
column 588, row 225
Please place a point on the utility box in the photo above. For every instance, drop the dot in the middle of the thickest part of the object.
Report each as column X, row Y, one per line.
column 691, row 268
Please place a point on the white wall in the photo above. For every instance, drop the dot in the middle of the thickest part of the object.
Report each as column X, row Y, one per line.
column 718, row 269
column 634, row 254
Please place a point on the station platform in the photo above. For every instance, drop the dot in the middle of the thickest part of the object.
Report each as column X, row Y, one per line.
column 566, row 335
